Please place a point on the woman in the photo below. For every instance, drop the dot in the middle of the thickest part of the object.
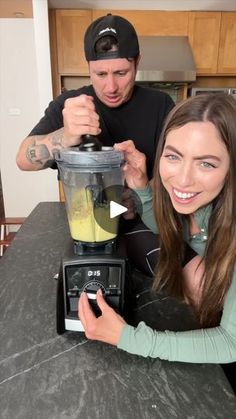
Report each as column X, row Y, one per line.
column 194, row 201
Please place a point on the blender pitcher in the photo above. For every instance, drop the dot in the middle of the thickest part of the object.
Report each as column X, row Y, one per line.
column 91, row 180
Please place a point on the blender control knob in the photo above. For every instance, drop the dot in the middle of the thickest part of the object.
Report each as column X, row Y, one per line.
column 93, row 287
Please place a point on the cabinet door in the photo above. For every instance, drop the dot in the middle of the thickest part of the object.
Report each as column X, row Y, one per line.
column 204, row 35
column 152, row 22
column 70, row 27
column 227, row 48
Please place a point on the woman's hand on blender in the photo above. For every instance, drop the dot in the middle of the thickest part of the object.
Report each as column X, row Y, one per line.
column 135, row 165
column 128, row 202
column 106, row 328
column 79, row 118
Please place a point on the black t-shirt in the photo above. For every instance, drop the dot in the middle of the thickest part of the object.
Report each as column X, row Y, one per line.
column 140, row 119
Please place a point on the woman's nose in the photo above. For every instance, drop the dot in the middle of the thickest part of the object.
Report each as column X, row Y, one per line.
column 186, row 175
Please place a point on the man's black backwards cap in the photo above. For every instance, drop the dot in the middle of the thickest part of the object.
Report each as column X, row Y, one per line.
column 116, row 26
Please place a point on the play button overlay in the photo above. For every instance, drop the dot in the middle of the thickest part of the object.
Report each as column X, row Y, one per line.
column 116, row 209
column 109, row 206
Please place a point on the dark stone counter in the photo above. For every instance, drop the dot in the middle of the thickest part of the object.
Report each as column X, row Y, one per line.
column 46, row 376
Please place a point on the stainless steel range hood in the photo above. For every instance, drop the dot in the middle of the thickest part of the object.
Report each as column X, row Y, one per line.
column 165, row 59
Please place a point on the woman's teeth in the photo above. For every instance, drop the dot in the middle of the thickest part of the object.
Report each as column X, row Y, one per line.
column 184, row 195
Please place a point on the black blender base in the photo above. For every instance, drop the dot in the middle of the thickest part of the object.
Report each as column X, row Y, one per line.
column 64, row 324
column 60, row 309
column 89, row 272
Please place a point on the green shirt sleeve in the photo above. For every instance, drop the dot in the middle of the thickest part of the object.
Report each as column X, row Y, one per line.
column 212, row 345
column 146, row 212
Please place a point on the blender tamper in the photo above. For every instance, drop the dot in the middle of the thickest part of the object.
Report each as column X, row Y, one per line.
column 90, row 143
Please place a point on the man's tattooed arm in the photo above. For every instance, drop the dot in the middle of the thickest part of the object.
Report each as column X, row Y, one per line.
column 37, row 152
column 40, row 153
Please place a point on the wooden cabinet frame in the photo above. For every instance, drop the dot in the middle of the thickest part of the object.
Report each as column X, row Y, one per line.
column 212, row 36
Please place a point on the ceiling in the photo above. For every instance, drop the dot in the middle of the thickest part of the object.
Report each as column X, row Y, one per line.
column 208, row 5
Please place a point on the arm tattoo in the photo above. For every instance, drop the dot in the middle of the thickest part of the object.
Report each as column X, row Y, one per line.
column 57, row 137
column 39, row 153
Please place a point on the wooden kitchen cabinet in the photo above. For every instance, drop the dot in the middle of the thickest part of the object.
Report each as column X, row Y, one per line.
column 227, row 46
column 70, row 28
column 67, row 28
column 152, row 22
column 212, row 36
column 204, row 38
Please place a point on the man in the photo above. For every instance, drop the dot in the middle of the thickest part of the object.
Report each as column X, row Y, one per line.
column 112, row 107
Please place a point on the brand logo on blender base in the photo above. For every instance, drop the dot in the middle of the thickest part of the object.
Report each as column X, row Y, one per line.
column 116, row 209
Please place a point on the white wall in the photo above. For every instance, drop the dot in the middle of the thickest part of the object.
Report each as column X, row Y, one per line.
column 25, row 86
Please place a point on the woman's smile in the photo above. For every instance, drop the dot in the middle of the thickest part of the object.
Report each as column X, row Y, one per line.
column 184, row 197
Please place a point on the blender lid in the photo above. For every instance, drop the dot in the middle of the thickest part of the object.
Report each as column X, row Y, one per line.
column 107, row 157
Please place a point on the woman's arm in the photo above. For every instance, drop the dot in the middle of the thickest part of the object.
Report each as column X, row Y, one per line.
column 146, row 211
column 213, row 345
column 137, row 180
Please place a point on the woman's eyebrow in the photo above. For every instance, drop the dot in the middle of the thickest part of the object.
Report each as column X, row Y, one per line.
column 204, row 156
column 171, row 148
column 207, row 156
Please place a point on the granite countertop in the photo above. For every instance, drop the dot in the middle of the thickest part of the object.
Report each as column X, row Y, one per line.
column 47, row 376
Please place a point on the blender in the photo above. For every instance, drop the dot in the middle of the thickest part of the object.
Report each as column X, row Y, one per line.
column 95, row 258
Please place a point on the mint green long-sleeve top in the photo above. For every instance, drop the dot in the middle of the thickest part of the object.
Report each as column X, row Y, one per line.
column 211, row 345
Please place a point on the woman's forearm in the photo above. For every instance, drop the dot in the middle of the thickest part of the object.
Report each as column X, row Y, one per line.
column 146, row 208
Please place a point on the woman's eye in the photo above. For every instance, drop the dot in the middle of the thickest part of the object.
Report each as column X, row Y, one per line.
column 208, row 165
column 171, row 156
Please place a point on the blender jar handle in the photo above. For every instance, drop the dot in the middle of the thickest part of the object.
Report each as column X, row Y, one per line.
column 57, row 155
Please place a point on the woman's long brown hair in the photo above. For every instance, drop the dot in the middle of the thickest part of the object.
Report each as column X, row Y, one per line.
column 220, row 252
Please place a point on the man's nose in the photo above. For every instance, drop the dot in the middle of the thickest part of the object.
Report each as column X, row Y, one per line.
column 111, row 83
